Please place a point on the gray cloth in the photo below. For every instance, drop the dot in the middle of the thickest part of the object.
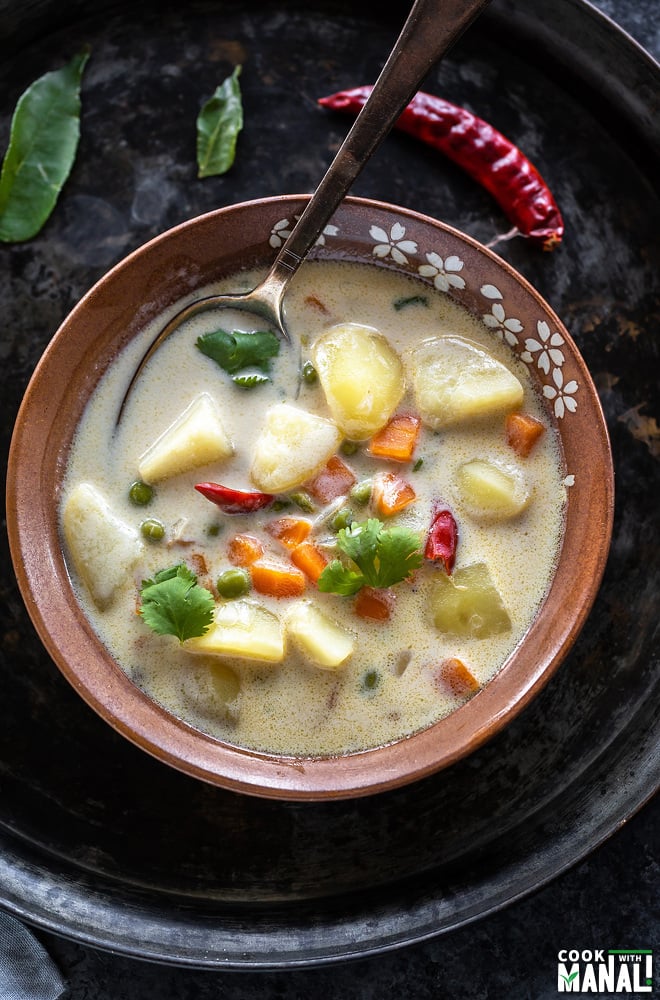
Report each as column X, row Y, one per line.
column 26, row 970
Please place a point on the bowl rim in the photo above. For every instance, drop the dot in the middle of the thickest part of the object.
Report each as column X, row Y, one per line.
column 111, row 693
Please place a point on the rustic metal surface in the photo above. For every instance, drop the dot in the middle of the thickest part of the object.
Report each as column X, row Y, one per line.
column 101, row 843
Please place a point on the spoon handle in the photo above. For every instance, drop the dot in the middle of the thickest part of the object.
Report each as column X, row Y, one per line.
column 431, row 28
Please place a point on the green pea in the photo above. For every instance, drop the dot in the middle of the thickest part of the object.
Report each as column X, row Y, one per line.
column 361, row 492
column 309, row 373
column 153, row 529
column 213, row 530
column 349, row 447
column 304, row 501
column 342, row 519
column 418, row 464
column 140, row 493
column 370, row 680
column 233, row 583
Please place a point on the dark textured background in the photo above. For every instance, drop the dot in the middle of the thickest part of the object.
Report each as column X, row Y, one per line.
column 607, row 900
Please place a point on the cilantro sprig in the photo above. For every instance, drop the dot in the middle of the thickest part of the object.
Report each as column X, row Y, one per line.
column 173, row 603
column 237, row 351
column 380, row 557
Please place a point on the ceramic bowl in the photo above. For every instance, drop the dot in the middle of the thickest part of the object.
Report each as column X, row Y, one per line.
column 194, row 255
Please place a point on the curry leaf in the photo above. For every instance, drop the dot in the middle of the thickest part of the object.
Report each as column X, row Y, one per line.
column 218, row 124
column 43, row 140
column 239, row 349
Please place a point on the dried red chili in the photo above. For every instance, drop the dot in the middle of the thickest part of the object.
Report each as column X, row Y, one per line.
column 484, row 153
column 442, row 539
column 234, row 501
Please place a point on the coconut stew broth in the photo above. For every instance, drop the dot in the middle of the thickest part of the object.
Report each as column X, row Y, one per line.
column 381, row 679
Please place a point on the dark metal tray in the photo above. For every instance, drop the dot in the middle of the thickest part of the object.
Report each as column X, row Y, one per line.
column 102, row 844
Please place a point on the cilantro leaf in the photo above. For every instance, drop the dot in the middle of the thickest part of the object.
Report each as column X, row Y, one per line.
column 237, row 350
column 337, row 579
column 383, row 556
column 173, row 603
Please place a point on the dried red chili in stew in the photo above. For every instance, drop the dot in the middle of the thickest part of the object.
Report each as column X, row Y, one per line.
column 484, row 153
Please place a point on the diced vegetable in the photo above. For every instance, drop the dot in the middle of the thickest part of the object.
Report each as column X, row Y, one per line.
column 376, row 605
column 196, row 438
column 391, row 494
column 212, row 687
column 397, row 439
column 102, row 547
column 442, row 539
column 243, row 629
column 361, row 376
column 292, row 446
column 289, row 531
column 277, row 580
column 226, row 684
column 309, row 558
column 468, row 603
column 322, row 640
column 334, row 480
column 522, row 432
column 453, row 674
column 491, row 491
column 455, row 380
column 244, row 549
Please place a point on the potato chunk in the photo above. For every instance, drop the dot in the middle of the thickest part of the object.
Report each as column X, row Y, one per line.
column 102, row 547
column 243, row 629
column 492, row 492
column 455, row 380
column 291, row 447
column 362, row 378
column 467, row 603
column 196, row 438
column 323, row 641
column 213, row 689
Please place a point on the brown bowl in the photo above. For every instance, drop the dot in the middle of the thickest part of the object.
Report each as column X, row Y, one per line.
column 194, row 255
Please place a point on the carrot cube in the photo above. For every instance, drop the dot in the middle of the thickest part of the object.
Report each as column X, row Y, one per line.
column 522, row 432
column 243, row 550
column 392, row 494
column 290, row 531
column 334, row 480
column 397, row 439
column 455, row 675
column 309, row 559
column 275, row 580
column 374, row 604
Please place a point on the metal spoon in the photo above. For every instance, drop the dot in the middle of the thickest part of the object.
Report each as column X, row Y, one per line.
column 431, row 27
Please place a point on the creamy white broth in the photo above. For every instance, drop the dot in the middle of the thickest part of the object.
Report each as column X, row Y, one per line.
column 294, row 707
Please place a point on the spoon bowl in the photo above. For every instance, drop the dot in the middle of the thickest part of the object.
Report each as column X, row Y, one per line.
column 431, row 28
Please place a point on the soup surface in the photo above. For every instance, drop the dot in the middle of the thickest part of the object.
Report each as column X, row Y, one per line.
column 320, row 560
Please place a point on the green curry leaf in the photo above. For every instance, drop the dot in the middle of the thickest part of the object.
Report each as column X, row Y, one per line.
column 218, row 124
column 43, row 141
column 238, row 350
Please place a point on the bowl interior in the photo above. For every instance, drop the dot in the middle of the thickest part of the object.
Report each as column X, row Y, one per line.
column 195, row 255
